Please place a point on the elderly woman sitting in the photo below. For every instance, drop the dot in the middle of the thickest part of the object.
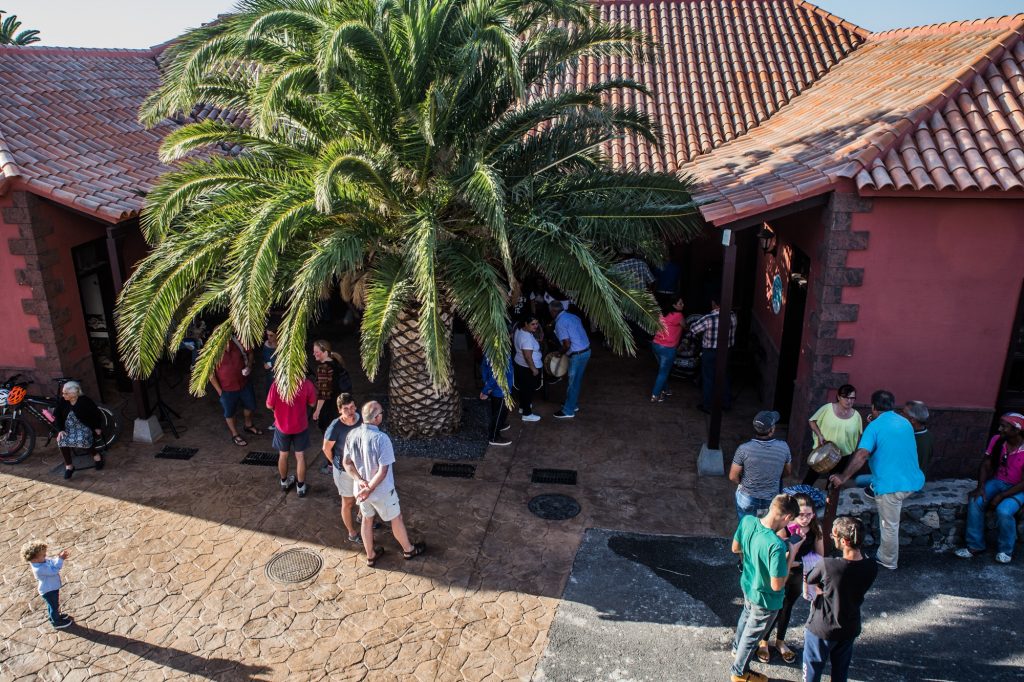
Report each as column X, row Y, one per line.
column 77, row 418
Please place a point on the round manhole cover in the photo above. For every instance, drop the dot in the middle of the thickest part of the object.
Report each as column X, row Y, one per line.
column 554, row 507
column 294, row 566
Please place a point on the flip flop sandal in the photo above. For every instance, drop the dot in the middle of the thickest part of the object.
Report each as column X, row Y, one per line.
column 239, row 441
column 417, row 549
column 788, row 655
column 764, row 654
column 253, row 430
column 371, row 562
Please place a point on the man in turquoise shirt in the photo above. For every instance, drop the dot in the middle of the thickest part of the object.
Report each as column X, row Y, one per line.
column 765, row 569
column 889, row 447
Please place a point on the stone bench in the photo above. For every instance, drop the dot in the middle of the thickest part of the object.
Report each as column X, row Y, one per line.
column 934, row 517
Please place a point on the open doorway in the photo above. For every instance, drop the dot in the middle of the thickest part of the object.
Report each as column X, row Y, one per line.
column 792, row 332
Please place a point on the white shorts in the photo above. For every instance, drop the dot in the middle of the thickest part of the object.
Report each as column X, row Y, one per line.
column 386, row 507
column 346, row 486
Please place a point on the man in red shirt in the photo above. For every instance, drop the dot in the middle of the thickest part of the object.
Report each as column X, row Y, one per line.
column 231, row 381
column 291, row 432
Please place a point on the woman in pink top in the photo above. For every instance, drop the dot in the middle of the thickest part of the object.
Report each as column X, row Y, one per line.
column 664, row 346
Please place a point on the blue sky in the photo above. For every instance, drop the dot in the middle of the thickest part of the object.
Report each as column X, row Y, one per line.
column 141, row 23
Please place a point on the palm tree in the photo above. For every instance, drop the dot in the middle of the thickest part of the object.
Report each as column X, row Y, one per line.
column 9, row 34
column 408, row 152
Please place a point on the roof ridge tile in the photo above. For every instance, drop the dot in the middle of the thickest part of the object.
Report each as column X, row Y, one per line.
column 1009, row 21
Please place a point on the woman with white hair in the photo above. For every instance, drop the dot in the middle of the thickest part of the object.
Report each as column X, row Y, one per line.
column 78, row 419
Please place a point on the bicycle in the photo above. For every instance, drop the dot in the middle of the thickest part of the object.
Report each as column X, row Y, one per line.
column 18, row 436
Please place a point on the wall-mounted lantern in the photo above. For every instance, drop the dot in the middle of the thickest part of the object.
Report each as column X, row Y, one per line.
column 766, row 239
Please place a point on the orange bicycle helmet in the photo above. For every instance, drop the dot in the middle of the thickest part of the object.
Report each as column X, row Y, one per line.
column 15, row 395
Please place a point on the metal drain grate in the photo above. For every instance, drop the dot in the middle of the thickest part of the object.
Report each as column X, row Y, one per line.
column 559, row 476
column 171, row 452
column 294, row 565
column 554, row 507
column 261, row 459
column 453, row 470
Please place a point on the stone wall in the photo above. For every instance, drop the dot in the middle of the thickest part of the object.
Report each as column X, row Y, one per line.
column 934, row 517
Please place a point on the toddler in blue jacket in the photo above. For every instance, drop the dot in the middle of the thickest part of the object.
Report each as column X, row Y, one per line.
column 47, row 572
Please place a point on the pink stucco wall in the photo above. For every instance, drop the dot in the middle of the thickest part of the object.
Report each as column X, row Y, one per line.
column 18, row 350
column 941, row 283
column 70, row 230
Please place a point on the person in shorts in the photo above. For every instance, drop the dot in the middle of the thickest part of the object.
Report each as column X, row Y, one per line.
column 291, row 432
column 369, row 459
column 231, row 381
column 334, row 450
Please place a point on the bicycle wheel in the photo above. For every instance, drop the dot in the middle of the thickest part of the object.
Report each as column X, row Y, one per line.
column 110, row 430
column 16, row 439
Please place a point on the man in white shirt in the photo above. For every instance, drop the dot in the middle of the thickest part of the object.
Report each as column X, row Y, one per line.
column 369, row 458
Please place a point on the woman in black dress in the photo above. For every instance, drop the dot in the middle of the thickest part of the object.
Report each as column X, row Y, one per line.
column 78, row 420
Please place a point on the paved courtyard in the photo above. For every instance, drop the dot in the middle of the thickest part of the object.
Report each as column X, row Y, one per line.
column 166, row 576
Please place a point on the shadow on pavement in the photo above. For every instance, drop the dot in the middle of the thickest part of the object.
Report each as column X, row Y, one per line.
column 638, row 605
column 208, row 668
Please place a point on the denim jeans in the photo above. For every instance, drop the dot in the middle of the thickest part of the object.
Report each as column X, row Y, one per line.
column 52, row 599
column 665, row 357
column 1006, row 523
column 890, row 506
column 754, row 623
column 750, row 506
column 708, row 360
column 577, row 365
column 818, row 652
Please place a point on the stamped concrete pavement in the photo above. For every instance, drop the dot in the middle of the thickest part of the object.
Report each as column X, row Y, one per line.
column 166, row 576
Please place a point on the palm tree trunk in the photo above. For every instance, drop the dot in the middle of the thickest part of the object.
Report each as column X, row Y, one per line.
column 416, row 409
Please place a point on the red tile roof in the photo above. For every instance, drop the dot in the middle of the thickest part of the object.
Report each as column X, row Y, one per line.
column 765, row 102
column 934, row 107
column 68, row 127
column 718, row 68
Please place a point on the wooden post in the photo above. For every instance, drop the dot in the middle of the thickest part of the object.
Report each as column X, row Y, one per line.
column 114, row 236
column 724, row 330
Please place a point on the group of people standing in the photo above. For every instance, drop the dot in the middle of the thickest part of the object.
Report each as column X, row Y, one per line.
column 897, row 447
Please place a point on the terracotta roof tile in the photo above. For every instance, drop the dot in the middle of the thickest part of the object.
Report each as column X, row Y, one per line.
column 719, row 68
column 68, row 126
column 913, row 109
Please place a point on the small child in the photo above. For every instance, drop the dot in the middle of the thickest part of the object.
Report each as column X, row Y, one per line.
column 47, row 572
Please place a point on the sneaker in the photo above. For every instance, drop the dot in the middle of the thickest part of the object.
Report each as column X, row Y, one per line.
column 325, row 468
column 64, row 623
column 1003, row 558
column 531, row 417
column 356, row 539
column 499, row 442
column 287, row 484
column 666, row 392
column 271, row 428
column 563, row 415
column 967, row 553
column 302, row 490
column 506, row 427
column 869, row 492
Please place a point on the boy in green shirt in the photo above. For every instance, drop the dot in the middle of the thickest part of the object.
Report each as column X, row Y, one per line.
column 765, row 569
